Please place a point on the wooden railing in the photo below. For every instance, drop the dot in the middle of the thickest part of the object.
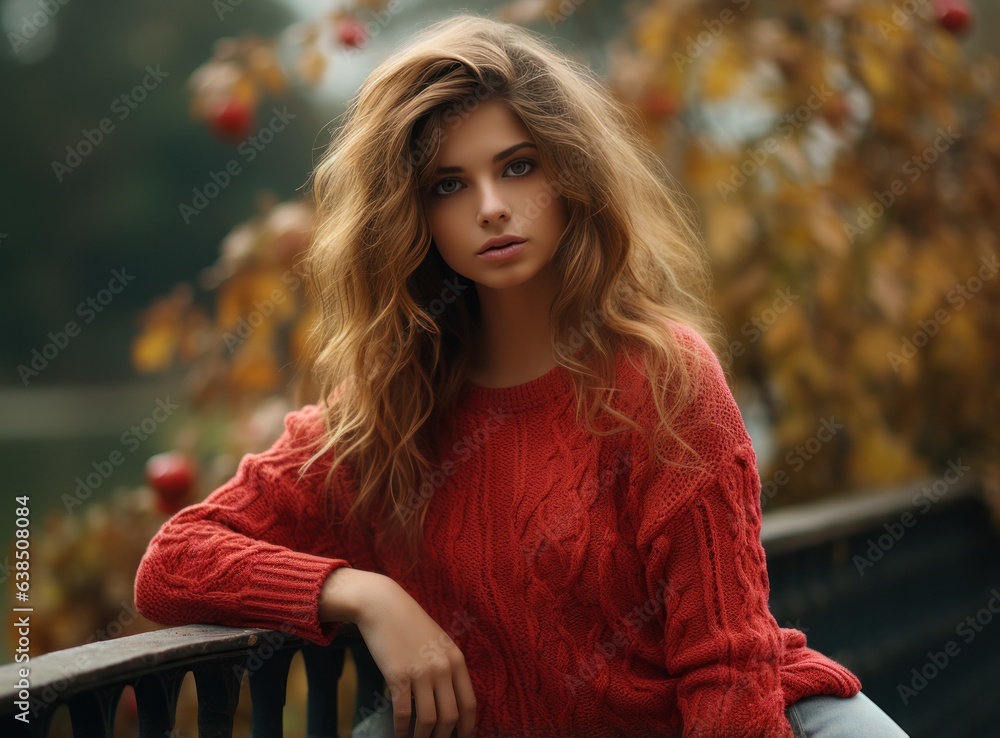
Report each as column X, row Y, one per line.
column 931, row 566
column 89, row 680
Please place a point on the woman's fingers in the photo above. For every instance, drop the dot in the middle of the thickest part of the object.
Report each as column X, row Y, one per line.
column 437, row 708
column 466, row 701
column 425, row 709
column 402, row 711
column 447, row 707
column 444, row 710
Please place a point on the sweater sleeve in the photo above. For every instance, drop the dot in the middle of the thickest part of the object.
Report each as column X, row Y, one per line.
column 721, row 641
column 698, row 530
column 255, row 552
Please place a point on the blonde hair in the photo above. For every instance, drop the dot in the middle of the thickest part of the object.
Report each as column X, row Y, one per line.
column 388, row 358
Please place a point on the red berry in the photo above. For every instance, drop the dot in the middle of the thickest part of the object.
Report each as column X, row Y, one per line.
column 350, row 32
column 171, row 475
column 232, row 120
column 953, row 15
column 657, row 104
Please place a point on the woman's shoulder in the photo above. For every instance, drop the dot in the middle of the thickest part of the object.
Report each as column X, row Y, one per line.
column 304, row 435
column 706, row 414
column 693, row 356
column 304, row 418
column 303, row 425
column 308, row 422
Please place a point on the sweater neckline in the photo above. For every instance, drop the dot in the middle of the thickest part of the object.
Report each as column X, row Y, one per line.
column 533, row 393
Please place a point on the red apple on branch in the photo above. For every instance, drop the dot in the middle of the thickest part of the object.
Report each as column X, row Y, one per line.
column 171, row 475
column 953, row 15
column 232, row 120
column 350, row 32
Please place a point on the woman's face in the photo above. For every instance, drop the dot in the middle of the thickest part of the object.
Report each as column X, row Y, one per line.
column 486, row 181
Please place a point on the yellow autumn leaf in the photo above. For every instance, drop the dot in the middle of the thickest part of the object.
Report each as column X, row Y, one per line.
column 906, row 361
column 886, row 291
column 878, row 456
column 252, row 297
column 253, row 371
column 311, row 65
column 831, row 286
column 870, row 351
column 958, row 342
column 878, row 75
column 827, row 228
column 267, row 70
column 723, row 73
column 654, row 31
column 708, row 171
column 886, row 26
column 162, row 328
column 793, row 427
column 153, row 350
column 783, row 324
column 245, row 90
column 729, row 232
column 931, row 278
column 197, row 336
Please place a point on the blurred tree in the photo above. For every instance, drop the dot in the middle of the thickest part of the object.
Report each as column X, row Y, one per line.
column 71, row 211
column 844, row 156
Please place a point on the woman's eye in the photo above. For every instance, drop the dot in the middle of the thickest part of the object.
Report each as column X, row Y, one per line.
column 441, row 188
column 526, row 162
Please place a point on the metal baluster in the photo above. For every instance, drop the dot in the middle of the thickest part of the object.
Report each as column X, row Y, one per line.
column 267, row 693
column 324, row 667
column 218, row 685
column 156, row 702
column 93, row 713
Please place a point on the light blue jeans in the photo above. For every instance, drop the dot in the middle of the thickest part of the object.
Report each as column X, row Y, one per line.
column 827, row 716
column 819, row 716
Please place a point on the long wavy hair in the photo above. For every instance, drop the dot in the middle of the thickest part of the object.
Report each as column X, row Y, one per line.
column 388, row 354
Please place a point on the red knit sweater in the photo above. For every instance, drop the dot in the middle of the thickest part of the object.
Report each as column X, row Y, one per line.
column 592, row 592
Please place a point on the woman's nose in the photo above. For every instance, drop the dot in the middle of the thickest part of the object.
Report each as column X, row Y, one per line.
column 492, row 205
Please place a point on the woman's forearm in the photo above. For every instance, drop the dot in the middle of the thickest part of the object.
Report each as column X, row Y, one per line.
column 346, row 593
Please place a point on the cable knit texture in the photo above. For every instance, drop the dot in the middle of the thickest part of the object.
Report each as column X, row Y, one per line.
column 592, row 591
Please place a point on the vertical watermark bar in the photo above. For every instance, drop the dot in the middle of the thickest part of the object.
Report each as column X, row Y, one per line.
column 21, row 615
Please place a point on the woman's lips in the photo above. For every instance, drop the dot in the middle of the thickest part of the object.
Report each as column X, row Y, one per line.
column 502, row 253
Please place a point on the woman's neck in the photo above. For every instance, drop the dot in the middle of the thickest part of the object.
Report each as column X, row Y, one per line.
column 512, row 344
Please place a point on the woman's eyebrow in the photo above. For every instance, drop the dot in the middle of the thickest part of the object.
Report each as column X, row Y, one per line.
column 502, row 155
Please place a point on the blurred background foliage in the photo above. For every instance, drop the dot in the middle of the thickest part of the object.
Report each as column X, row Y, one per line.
column 842, row 156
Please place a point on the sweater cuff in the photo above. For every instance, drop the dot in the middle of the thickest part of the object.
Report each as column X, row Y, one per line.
column 283, row 594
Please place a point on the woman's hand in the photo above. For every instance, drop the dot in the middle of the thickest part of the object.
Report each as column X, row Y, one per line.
column 420, row 663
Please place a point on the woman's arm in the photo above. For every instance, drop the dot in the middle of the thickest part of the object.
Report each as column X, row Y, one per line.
column 698, row 530
column 424, row 669
column 720, row 638
column 256, row 552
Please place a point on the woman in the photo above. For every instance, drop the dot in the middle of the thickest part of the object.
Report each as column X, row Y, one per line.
column 527, row 480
